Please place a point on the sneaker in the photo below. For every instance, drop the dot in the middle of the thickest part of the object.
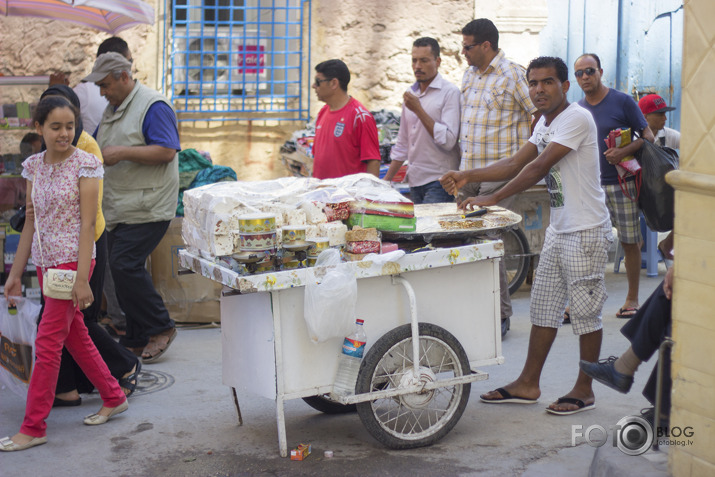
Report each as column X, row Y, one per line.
column 605, row 373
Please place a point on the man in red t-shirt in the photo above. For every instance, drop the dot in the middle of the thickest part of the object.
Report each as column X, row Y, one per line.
column 345, row 132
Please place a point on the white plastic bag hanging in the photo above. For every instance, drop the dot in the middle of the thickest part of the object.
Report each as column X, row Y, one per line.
column 17, row 344
column 330, row 300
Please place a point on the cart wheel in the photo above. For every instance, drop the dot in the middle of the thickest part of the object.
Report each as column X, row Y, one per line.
column 516, row 257
column 416, row 419
column 328, row 406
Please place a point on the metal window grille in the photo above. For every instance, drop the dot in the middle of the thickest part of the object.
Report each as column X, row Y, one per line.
column 240, row 59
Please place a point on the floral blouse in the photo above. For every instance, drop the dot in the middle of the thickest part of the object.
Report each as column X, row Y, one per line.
column 55, row 193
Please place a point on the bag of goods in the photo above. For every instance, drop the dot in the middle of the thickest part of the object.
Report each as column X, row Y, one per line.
column 18, row 328
column 381, row 208
column 657, row 198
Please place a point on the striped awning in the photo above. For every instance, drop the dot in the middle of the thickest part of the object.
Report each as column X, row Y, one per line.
column 104, row 15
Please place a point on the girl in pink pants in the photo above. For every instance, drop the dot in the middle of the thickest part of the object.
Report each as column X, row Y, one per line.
column 62, row 191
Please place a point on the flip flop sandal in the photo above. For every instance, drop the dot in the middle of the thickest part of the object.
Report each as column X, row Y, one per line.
column 628, row 312
column 507, row 398
column 568, row 400
column 153, row 357
column 130, row 382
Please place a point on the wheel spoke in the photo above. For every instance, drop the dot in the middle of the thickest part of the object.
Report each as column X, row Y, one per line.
column 417, row 422
column 425, row 352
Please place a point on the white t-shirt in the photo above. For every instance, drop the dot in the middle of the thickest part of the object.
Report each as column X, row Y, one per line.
column 92, row 105
column 577, row 199
column 668, row 137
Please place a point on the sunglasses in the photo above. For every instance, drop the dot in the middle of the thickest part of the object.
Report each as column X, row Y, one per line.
column 588, row 71
column 469, row 47
column 318, row 81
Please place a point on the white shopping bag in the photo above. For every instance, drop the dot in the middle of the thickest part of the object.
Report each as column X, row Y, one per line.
column 330, row 301
column 17, row 343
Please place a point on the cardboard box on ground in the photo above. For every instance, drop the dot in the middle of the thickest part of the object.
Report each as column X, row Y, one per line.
column 189, row 298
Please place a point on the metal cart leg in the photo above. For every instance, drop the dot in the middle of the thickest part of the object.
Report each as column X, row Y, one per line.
column 415, row 325
column 238, row 409
column 665, row 346
column 281, row 421
column 280, row 385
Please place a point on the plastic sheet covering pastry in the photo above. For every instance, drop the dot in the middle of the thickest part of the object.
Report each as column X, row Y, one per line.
column 211, row 212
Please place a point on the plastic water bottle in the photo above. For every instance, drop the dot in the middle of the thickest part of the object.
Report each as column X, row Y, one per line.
column 350, row 358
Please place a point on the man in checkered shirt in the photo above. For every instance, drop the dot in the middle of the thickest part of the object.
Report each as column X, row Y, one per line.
column 496, row 118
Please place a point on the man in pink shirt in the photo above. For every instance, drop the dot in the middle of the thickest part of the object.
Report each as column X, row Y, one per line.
column 345, row 132
column 429, row 128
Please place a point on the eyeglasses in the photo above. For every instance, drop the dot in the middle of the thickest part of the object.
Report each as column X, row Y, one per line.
column 318, row 81
column 469, row 47
column 588, row 71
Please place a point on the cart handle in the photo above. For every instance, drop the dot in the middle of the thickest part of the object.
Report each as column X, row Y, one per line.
column 415, row 325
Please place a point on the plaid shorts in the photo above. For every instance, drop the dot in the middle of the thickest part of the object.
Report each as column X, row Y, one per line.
column 624, row 212
column 572, row 269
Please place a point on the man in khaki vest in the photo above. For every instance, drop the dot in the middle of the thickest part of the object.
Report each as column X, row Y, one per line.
column 139, row 138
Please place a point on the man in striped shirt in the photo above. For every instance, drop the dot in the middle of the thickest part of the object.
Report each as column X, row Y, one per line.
column 496, row 117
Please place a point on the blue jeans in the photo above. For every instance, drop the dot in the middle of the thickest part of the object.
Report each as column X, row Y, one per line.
column 430, row 193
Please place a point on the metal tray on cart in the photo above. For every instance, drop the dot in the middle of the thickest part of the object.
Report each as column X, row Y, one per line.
column 429, row 228
column 517, row 255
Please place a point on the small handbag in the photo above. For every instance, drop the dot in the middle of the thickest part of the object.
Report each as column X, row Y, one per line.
column 56, row 282
column 17, row 221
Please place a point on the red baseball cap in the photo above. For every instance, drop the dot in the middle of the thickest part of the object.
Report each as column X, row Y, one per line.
column 652, row 103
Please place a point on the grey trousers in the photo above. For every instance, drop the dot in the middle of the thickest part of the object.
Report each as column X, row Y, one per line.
column 474, row 189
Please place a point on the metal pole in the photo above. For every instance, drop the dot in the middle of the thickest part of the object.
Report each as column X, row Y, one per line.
column 280, row 383
column 415, row 325
column 238, row 409
column 666, row 345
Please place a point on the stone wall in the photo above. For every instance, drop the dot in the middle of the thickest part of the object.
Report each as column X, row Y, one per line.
column 374, row 38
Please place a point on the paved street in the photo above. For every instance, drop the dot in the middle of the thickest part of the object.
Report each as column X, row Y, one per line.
column 183, row 421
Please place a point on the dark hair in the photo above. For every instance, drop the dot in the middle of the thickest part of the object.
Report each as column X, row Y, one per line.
column 49, row 104
column 335, row 69
column 30, row 137
column 68, row 93
column 562, row 71
column 427, row 41
column 114, row 44
column 592, row 55
column 482, row 30
column 62, row 90
column 27, row 141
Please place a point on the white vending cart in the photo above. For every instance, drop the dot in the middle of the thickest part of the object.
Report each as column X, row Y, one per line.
column 441, row 305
